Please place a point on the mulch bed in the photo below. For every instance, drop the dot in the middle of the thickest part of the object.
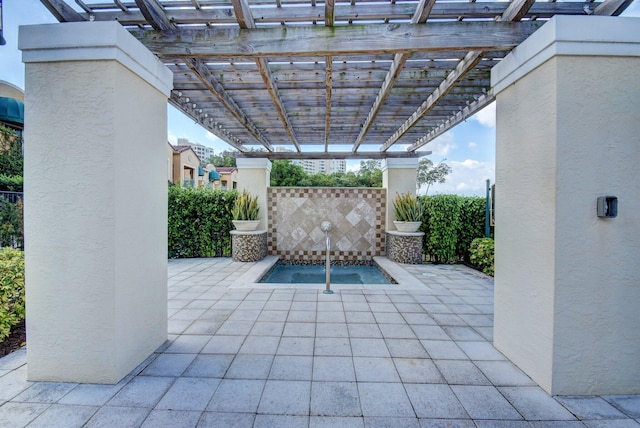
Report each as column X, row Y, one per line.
column 16, row 339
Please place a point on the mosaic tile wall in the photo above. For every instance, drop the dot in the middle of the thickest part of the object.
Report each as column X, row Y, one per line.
column 357, row 216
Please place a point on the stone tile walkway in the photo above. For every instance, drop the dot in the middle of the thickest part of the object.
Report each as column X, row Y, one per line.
column 279, row 357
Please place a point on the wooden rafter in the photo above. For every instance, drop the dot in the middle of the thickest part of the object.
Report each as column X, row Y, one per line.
column 342, row 40
column 462, row 115
column 246, row 21
column 612, row 7
column 62, row 11
column 354, row 12
column 419, row 17
column 202, row 71
column 329, row 20
column 409, row 69
column 327, row 107
column 331, row 155
column 463, row 67
column 187, row 108
column 514, row 12
column 329, row 13
column 154, row 14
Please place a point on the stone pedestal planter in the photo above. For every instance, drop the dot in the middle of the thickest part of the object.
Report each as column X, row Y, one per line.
column 249, row 246
column 403, row 247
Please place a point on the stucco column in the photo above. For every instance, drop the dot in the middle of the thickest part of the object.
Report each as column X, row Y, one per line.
column 254, row 176
column 398, row 176
column 95, row 201
column 567, row 283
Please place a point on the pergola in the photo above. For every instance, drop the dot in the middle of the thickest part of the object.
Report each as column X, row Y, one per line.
column 371, row 79
column 352, row 79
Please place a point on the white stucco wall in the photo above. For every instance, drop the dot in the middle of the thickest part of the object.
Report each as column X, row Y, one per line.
column 254, row 176
column 398, row 176
column 95, row 202
column 566, row 284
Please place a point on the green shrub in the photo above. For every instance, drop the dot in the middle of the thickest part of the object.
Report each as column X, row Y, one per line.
column 440, row 224
column 199, row 222
column 471, row 226
column 11, row 183
column 450, row 223
column 481, row 254
column 11, row 159
column 11, row 224
column 11, row 289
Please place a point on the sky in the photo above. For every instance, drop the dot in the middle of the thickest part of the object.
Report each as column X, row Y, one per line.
column 469, row 148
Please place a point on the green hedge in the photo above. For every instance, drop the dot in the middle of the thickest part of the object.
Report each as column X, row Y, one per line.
column 451, row 223
column 482, row 250
column 11, row 183
column 11, row 224
column 200, row 222
column 11, row 289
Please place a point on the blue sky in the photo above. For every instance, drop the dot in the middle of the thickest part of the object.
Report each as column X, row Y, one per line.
column 469, row 148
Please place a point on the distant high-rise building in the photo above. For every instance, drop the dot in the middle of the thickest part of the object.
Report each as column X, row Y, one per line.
column 203, row 152
column 315, row 166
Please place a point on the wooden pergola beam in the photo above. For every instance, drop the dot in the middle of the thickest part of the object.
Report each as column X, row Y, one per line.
column 62, row 11
column 457, row 118
column 419, row 17
column 463, row 67
column 305, row 13
column 514, row 12
column 328, row 81
column 329, row 20
column 342, row 40
column 207, row 123
column 331, row 155
column 329, row 13
column 612, row 7
column 154, row 14
column 206, row 77
column 246, row 21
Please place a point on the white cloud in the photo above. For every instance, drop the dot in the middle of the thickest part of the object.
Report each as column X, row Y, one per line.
column 172, row 138
column 472, row 145
column 486, row 116
column 466, row 178
column 442, row 146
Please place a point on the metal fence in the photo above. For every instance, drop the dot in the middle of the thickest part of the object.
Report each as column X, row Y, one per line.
column 12, row 197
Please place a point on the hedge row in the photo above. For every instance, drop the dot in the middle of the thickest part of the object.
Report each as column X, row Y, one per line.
column 199, row 222
column 11, row 289
column 451, row 223
column 11, row 223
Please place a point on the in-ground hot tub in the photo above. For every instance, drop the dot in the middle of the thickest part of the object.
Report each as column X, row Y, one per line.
column 292, row 273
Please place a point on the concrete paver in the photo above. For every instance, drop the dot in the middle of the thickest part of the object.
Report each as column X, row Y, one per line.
column 246, row 355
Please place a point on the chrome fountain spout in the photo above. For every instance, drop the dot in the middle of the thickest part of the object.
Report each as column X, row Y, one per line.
column 326, row 228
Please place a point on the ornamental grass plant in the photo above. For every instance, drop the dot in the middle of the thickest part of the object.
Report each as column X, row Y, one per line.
column 408, row 207
column 246, row 207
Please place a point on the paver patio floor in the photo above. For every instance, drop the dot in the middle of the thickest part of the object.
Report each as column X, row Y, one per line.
column 284, row 357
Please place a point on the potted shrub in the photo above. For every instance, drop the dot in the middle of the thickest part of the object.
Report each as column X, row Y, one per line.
column 409, row 212
column 245, row 212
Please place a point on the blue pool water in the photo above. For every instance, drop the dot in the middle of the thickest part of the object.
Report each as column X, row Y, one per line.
column 299, row 274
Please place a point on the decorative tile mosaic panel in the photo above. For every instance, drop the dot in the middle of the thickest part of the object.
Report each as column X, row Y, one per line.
column 357, row 216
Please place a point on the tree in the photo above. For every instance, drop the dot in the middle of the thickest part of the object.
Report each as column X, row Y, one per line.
column 370, row 174
column 222, row 160
column 429, row 174
column 286, row 173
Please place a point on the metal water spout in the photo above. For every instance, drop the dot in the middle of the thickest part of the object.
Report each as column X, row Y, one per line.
column 326, row 228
